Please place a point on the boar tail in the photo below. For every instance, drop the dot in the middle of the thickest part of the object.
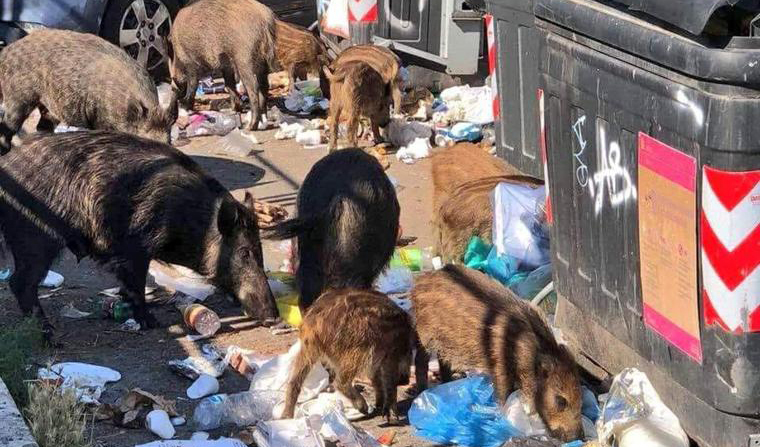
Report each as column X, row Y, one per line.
column 290, row 228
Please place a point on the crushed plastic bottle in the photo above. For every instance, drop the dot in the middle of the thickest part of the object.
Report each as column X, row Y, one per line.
column 241, row 409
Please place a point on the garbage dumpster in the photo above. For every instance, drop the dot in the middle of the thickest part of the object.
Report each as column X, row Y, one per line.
column 652, row 140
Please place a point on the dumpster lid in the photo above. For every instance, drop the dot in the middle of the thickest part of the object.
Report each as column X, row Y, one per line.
column 689, row 15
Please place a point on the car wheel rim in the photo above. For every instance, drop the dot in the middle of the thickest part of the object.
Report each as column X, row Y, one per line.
column 143, row 27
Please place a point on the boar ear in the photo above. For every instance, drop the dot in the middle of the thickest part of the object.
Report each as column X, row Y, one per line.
column 227, row 217
column 545, row 366
column 172, row 110
column 249, row 202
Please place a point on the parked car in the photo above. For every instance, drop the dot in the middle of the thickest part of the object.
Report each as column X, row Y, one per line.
column 135, row 25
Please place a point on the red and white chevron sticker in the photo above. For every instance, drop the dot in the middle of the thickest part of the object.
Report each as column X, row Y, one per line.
column 492, row 54
column 730, row 224
column 362, row 10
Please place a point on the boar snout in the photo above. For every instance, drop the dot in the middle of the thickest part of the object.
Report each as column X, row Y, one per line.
column 258, row 302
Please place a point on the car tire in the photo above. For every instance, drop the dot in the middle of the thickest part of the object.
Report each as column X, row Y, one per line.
column 138, row 27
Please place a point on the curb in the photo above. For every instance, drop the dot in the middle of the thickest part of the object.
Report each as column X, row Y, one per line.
column 13, row 429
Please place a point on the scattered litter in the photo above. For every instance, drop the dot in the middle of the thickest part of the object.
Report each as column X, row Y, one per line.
column 212, row 123
column 87, row 381
column 53, row 293
column 201, row 319
column 221, row 442
column 465, row 412
column 210, row 86
column 178, row 421
column 458, row 132
column 114, row 292
column 309, row 137
column 324, row 402
column 241, row 409
column 306, row 97
column 402, row 133
column 465, row 103
column 157, row 421
column 437, row 263
column 130, row 326
column 132, row 409
column 519, row 224
column 634, row 415
column 410, row 258
column 287, row 306
column 284, row 330
column 116, row 309
column 69, row 311
column 286, row 433
column 279, row 288
column 238, row 143
column 182, row 279
column 274, row 374
column 5, row 274
column 63, row 128
column 288, row 131
column 336, row 428
column 203, row 386
column 394, row 280
column 52, row 280
column 244, row 361
column 164, row 91
column 200, row 436
column 268, row 214
column 211, row 363
column 419, row 148
column 387, row 437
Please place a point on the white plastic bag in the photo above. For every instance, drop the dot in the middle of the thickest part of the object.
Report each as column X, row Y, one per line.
column 87, row 381
column 419, row 148
column 274, row 375
column 519, row 224
column 335, row 19
column 467, row 103
column 634, row 415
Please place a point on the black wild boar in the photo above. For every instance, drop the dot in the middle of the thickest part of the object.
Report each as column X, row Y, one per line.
column 357, row 89
column 355, row 332
column 231, row 37
column 81, row 80
column 471, row 321
column 347, row 223
column 123, row 201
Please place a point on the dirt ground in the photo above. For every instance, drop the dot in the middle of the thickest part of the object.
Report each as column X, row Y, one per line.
column 272, row 172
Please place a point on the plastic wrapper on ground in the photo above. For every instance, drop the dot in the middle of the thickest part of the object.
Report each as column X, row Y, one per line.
column 519, row 224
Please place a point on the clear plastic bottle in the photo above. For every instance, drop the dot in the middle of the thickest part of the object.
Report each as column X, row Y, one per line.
column 202, row 319
column 241, row 409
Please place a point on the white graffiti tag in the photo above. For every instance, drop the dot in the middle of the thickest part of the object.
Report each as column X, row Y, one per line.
column 581, row 172
column 611, row 175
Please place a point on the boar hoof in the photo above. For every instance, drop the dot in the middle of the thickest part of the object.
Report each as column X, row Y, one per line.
column 148, row 321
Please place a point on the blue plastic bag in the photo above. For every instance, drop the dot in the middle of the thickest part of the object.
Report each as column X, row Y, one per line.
column 462, row 412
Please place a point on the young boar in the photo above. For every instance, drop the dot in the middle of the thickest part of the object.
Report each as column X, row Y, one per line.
column 357, row 89
column 299, row 50
column 231, row 37
column 355, row 332
column 123, row 201
column 383, row 60
column 347, row 223
column 488, row 328
column 82, row 80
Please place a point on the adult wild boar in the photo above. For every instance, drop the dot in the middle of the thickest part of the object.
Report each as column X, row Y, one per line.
column 82, row 80
column 383, row 60
column 123, row 201
column 231, row 37
column 347, row 223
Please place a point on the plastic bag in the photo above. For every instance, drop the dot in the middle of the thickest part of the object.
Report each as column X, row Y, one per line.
column 634, row 415
column 274, row 374
column 467, row 103
column 335, row 19
column 419, row 148
column 394, row 280
column 462, row 412
column 534, row 282
column 519, row 228
column 402, row 133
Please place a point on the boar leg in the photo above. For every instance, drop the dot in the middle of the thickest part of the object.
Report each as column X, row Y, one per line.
column 376, row 138
column 352, row 128
column 230, row 86
column 447, row 375
column 291, row 78
column 298, row 373
column 309, row 276
column 16, row 112
column 396, row 94
column 344, row 384
column 334, row 122
column 251, row 83
column 385, row 392
column 132, row 273
column 33, row 254
column 47, row 121
column 187, row 87
column 263, row 78
column 421, row 360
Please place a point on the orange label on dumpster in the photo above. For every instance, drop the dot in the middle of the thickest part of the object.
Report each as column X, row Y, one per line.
column 668, row 244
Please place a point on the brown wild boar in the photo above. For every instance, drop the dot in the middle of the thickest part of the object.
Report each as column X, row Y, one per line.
column 471, row 321
column 383, row 60
column 231, row 37
column 299, row 50
column 464, row 176
column 357, row 89
column 81, row 80
column 354, row 332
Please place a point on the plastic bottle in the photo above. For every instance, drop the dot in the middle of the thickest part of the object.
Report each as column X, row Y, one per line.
column 241, row 409
column 202, row 319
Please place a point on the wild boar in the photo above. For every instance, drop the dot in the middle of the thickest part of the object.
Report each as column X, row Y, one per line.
column 355, row 332
column 82, row 80
column 471, row 321
column 123, row 201
column 346, row 225
column 383, row 60
column 357, row 89
column 299, row 50
column 231, row 37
